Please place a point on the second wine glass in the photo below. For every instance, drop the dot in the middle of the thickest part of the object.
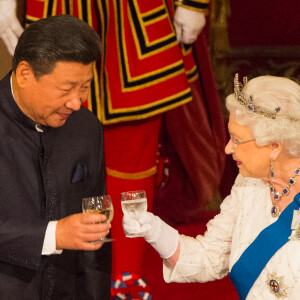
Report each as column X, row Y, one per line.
column 134, row 203
column 99, row 205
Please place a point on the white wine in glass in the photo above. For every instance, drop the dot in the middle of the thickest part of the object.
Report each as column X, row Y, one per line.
column 99, row 205
column 134, row 203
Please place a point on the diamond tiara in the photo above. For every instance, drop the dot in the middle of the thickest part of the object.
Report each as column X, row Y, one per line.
column 248, row 101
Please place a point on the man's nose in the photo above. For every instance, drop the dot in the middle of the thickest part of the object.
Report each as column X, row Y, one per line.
column 74, row 102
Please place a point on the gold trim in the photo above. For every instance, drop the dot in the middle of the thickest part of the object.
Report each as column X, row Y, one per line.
column 152, row 11
column 97, row 89
column 104, row 86
column 79, row 5
column 149, row 105
column 146, row 75
column 46, row 4
column 153, row 82
column 129, row 77
column 187, row 51
column 32, row 18
column 103, row 73
column 63, row 7
column 132, row 176
column 193, row 78
column 145, row 35
column 147, row 115
column 203, row 10
column 192, row 70
column 181, row 2
column 153, row 21
column 54, row 8
column 89, row 13
column 71, row 7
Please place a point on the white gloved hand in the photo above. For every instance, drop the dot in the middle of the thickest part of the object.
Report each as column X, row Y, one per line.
column 10, row 27
column 162, row 237
column 188, row 24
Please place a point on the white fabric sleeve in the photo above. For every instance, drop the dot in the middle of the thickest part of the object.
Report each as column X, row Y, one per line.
column 206, row 257
column 49, row 246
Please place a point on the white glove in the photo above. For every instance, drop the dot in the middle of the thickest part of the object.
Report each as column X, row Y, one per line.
column 162, row 237
column 10, row 27
column 188, row 24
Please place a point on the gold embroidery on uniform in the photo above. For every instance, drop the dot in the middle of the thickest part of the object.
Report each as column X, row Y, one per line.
column 54, row 8
column 46, row 4
column 153, row 21
column 71, row 7
column 32, row 18
column 79, row 6
column 63, row 7
column 152, row 11
column 146, row 115
column 157, row 102
column 105, row 85
column 203, row 10
column 89, row 13
column 132, row 176
column 145, row 35
column 130, row 78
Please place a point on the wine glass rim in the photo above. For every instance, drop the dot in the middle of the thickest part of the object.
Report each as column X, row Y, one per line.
column 101, row 196
column 137, row 191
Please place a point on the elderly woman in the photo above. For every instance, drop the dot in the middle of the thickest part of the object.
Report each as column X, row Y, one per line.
column 256, row 236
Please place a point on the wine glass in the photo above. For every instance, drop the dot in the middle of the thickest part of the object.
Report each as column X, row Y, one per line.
column 99, row 205
column 134, row 204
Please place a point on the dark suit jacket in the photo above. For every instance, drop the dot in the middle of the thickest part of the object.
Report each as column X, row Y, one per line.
column 43, row 177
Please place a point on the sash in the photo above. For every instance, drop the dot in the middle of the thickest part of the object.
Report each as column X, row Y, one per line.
column 254, row 259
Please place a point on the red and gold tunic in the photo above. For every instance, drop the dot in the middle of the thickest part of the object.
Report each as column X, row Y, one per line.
column 143, row 71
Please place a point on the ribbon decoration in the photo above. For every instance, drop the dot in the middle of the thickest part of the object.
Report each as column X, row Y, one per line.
column 129, row 285
column 249, row 266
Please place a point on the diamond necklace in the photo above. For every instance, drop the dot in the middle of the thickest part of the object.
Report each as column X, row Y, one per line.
column 277, row 196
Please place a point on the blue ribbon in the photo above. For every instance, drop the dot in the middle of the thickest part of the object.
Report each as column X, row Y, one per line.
column 254, row 259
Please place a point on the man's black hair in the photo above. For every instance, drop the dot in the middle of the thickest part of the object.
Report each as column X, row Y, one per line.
column 60, row 38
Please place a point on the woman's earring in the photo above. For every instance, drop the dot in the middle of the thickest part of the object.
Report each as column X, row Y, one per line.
column 272, row 172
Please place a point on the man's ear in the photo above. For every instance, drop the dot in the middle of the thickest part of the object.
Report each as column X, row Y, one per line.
column 275, row 150
column 24, row 74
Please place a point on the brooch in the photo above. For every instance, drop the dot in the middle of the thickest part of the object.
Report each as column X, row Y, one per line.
column 277, row 285
column 295, row 226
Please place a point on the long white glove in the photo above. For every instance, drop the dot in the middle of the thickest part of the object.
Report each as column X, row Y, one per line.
column 188, row 24
column 10, row 27
column 162, row 237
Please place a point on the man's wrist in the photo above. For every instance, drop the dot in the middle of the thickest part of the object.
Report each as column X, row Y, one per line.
column 49, row 246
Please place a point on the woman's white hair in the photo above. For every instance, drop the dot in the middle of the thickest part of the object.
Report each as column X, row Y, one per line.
column 271, row 92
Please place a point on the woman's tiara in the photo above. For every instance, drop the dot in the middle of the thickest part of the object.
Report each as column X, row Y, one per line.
column 248, row 101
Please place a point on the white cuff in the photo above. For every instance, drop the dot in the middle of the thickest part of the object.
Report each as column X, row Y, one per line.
column 49, row 246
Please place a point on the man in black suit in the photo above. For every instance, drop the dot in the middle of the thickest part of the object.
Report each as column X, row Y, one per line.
column 51, row 157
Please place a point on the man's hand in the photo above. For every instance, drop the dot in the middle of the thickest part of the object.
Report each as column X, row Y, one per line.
column 10, row 27
column 188, row 24
column 76, row 232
